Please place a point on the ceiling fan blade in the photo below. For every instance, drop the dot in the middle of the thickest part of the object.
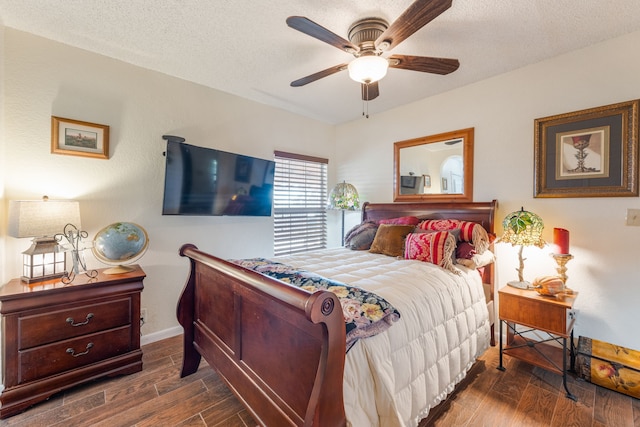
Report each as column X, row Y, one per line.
column 425, row 64
column 310, row 28
column 419, row 14
column 370, row 91
column 317, row 76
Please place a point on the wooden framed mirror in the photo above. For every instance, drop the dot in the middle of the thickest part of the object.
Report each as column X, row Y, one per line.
column 436, row 168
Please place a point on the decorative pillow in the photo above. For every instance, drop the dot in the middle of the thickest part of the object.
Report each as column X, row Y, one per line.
column 361, row 236
column 478, row 260
column 437, row 248
column 363, row 240
column 469, row 231
column 389, row 239
column 465, row 250
column 455, row 233
column 403, row 220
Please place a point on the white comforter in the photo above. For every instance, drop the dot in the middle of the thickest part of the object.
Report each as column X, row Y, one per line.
column 396, row 377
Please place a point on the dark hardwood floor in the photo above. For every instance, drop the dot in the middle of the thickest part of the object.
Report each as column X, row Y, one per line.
column 157, row 396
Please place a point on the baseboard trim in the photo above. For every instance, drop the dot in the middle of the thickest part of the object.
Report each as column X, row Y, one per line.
column 160, row 335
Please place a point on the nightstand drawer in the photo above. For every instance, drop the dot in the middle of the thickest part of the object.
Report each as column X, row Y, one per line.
column 47, row 360
column 535, row 311
column 40, row 329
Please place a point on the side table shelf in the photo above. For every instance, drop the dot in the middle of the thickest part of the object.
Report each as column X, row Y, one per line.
column 55, row 335
column 550, row 319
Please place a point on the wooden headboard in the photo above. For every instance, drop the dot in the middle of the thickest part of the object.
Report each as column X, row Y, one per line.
column 480, row 212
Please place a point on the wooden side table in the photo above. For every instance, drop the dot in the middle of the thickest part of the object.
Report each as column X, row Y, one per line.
column 56, row 335
column 552, row 316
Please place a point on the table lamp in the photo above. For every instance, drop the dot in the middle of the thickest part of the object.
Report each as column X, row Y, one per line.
column 344, row 196
column 42, row 220
column 522, row 228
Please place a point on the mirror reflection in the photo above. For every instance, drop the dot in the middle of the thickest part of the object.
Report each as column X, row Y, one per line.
column 432, row 168
column 435, row 167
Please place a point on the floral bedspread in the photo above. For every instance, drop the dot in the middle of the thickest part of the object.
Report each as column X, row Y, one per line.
column 365, row 313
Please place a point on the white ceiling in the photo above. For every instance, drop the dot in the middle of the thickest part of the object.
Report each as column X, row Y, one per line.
column 244, row 47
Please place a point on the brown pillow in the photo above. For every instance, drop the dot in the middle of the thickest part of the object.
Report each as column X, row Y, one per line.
column 389, row 239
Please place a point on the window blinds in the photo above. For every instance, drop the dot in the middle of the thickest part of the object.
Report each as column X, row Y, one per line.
column 299, row 203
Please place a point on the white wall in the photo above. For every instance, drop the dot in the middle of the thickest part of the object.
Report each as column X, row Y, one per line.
column 45, row 78
column 605, row 271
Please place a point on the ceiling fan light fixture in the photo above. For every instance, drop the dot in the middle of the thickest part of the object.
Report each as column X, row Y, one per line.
column 368, row 69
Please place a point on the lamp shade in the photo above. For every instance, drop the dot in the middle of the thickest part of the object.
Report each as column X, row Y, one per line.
column 368, row 69
column 344, row 196
column 523, row 228
column 40, row 218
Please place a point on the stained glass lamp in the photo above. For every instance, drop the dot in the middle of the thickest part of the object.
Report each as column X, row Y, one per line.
column 344, row 197
column 522, row 228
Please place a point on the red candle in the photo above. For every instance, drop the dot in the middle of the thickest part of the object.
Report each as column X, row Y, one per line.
column 561, row 240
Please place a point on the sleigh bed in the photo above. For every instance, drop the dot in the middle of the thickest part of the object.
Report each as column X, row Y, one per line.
column 282, row 349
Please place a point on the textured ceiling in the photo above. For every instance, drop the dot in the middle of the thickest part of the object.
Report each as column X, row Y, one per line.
column 245, row 47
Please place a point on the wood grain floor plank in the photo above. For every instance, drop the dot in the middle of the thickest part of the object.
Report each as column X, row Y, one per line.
column 109, row 409
column 55, row 401
column 61, row 414
column 635, row 404
column 574, row 414
column 224, row 410
column 612, row 408
column 194, row 421
column 521, row 396
column 148, row 409
column 495, row 412
column 536, row 407
column 174, row 382
column 173, row 415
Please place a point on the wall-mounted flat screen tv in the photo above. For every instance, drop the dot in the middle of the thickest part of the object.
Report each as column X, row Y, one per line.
column 205, row 181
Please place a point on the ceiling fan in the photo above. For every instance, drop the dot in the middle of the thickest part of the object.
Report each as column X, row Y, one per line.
column 369, row 38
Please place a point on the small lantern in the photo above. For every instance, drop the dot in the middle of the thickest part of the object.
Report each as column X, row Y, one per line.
column 42, row 261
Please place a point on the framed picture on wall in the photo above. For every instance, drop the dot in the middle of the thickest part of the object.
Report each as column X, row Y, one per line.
column 588, row 153
column 78, row 138
column 427, row 181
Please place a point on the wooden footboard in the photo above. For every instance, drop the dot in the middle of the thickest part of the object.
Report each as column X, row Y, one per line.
column 279, row 348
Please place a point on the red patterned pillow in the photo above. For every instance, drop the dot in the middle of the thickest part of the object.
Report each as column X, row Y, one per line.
column 436, row 247
column 469, row 231
column 403, row 220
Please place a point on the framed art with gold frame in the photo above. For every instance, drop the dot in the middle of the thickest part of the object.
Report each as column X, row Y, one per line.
column 77, row 138
column 588, row 153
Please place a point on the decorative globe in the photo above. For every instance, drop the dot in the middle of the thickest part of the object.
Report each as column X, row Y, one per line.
column 118, row 244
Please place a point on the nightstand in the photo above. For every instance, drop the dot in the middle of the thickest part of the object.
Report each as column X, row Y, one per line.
column 55, row 336
column 552, row 317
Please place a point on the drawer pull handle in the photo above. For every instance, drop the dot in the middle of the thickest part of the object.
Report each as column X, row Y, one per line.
column 73, row 352
column 70, row 320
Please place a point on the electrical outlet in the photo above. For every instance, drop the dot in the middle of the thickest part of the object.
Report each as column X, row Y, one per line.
column 633, row 217
column 143, row 316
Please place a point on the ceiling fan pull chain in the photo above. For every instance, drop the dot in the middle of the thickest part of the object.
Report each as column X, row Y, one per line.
column 366, row 101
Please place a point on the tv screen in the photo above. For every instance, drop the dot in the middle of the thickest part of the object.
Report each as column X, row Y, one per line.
column 205, row 181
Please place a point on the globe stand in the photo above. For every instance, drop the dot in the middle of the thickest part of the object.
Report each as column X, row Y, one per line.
column 120, row 269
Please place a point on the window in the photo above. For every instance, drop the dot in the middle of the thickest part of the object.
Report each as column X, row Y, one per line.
column 299, row 203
